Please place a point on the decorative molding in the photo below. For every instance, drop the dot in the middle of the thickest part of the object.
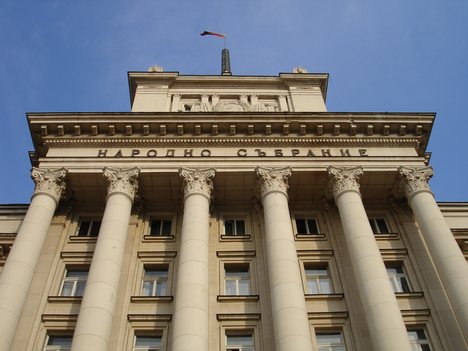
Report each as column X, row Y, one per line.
column 237, row 316
column 49, row 182
column 273, row 179
column 197, row 181
column 344, row 179
column 149, row 317
column 122, row 180
column 414, row 180
column 245, row 253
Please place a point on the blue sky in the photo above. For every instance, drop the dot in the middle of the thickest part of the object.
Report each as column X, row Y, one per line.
column 387, row 55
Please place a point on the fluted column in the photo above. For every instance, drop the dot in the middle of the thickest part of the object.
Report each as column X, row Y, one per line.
column 94, row 323
column 190, row 318
column 19, row 268
column 290, row 321
column 384, row 320
column 447, row 256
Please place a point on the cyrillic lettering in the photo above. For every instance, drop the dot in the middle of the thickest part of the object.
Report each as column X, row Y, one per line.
column 135, row 152
column 205, row 153
column 102, row 153
column 170, row 152
column 151, row 153
column 295, row 152
column 118, row 154
column 260, row 152
column 310, row 153
column 188, row 153
column 242, row 152
column 278, row 152
column 326, row 152
column 363, row 152
column 345, row 152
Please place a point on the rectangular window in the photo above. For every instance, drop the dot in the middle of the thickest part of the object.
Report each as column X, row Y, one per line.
column 236, row 279
column 74, row 282
column 318, row 280
column 307, row 226
column 58, row 342
column 418, row 340
column 330, row 341
column 147, row 343
column 155, row 281
column 379, row 225
column 161, row 227
column 398, row 278
column 234, row 227
column 89, row 227
column 240, row 342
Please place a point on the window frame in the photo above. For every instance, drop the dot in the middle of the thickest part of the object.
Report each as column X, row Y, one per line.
column 75, row 282
column 137, row 334
column 306, row 220
column 162, row 220
column 426, row 341
column 51, row 334
column 155, row 267
column 373, row 222
column 323, row 266
column 330, row 347
column 162, row 216
column 237, row 279
column 235, row 216
column 92, row 223
column 234, row 333
column 396, row 280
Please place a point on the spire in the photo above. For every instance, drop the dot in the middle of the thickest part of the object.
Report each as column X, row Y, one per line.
column 225, row 63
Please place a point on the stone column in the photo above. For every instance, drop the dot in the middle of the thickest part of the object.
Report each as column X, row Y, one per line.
column 384, row 320
column 290, row 321
column 190, row 318
column 446, row 255
column 94, row 323
column 19, row 268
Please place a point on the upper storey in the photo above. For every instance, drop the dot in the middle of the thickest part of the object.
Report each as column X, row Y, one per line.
column 157, row 91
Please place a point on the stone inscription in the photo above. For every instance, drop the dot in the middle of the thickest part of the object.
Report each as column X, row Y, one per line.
column 162, row 153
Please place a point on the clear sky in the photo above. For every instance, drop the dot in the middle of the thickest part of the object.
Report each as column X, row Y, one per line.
column 387, row 55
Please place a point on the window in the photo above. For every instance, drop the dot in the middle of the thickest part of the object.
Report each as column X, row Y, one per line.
column 155, row 281
column 74, row 282
column 398, row 279
column 318, row 280
column 240, row 342
column 147, row 343
column 379, row 225
column 58, row 342
column 234, row 227
column 161, row 227
column 236, row 279
column 418, row 340
column 307, row 226
column 330, row 341
column 89, row 227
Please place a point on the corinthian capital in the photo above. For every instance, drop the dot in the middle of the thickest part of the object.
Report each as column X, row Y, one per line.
column 197, row 181
column 344, row 179
column 50, row 182
column 122, row 180
column 273, row 179
column 414, row 180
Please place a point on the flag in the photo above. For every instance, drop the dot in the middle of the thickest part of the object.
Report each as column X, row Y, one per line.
column 213, row 33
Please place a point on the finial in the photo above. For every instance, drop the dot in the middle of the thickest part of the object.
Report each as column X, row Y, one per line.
column 299, row 70
column 155, row 68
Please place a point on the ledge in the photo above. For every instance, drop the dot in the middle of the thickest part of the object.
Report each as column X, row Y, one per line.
column 243, row 253
column 82, row 239
column 224, row 298
column 237, row 316
column 388, row 236
column 168, row 298
column 156, row 254
column 312, row 237
column 63, row 299
column 53, row 317
column 246, row 237
column 409, row 295
column 149, row 317
column 324, row 296
column 158, row 238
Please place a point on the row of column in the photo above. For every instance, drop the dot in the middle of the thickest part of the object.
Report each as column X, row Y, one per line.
column 190, row 317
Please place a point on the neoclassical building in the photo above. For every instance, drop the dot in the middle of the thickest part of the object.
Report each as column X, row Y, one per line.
column 232, row 213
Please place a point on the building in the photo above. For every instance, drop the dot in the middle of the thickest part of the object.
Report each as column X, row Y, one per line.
column 232, row 213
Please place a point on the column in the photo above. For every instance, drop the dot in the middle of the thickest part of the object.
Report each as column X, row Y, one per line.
column 94, row 324
column 190, row 318
column 289, row 314
column 446, row 255
column 384, row 320
column 19, row 268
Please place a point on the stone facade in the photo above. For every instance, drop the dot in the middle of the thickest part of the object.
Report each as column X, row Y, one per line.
column 228, row 213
